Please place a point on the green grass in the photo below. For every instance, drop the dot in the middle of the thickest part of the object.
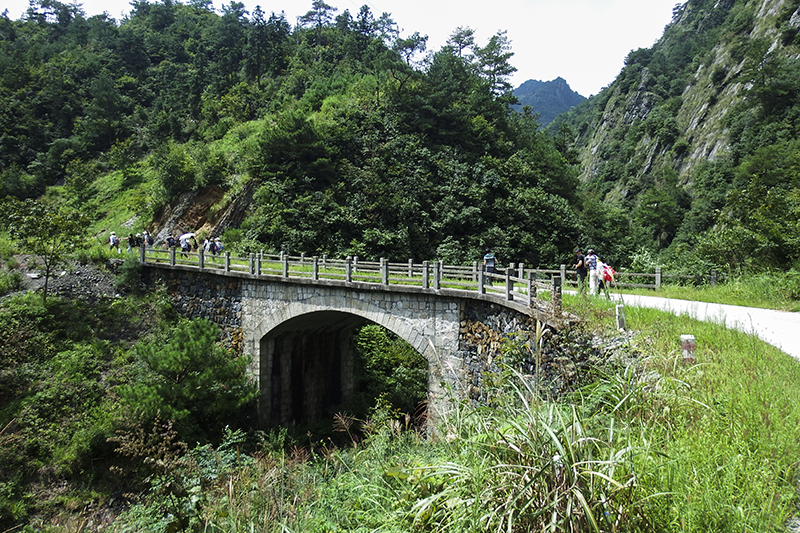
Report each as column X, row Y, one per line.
column 651, row 445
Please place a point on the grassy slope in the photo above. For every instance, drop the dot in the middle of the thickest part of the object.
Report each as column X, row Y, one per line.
column 653, row 446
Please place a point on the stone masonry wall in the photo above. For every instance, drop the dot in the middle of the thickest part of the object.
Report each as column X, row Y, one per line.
column 204, row 295
column 484, row 328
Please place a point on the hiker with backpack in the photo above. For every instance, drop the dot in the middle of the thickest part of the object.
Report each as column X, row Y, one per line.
column 601, row 276
column 113, row 242
column 489, row 265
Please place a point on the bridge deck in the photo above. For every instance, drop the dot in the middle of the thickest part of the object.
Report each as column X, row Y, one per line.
column 515, row 288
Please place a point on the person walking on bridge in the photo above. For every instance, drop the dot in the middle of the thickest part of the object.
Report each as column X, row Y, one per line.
column 489, row 265
column 591, row 265
column 580, row 270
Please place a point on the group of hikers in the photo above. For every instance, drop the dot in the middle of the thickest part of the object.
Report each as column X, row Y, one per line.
column 134, row 241
column 186, row 242
column 600, row 274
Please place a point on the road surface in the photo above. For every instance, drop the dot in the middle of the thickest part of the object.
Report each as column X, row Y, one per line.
column 778, row 328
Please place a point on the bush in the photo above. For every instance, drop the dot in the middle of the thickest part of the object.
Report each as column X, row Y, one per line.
column 10, row 281
column 129, row 277
column 389, row 367
column 187, row 377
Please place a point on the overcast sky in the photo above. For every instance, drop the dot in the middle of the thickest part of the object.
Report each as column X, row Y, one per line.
column 583, row 41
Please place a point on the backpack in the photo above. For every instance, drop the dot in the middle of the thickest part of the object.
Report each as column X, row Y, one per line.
column 150, row 239
column 116, row 240
column 170, row 242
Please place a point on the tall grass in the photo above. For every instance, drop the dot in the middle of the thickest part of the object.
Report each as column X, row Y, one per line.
column 651, row 445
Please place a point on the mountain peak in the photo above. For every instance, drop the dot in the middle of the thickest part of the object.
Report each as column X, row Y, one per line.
column 547, row 98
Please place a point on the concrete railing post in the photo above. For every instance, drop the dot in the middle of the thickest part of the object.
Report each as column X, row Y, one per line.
column 410, row 268
column 302, row 257
column 531, row 288
column 557, row 295
column 172, row 256
column 481, row 283
column 259, row 257
column 475, row 271
column 227, row 261
column 384, row 271
column 141, row 254
column 620, row 313
column 355, row 263
column 521, row 270
column 426, row 283
column 252, row 263
column 201, row 258
column 284, row 265
column 563, row 273
column 713, row 278
column 509, row 283
column 437, row 272
column 348, row 269
column 658, row 277
column 324, row 260
column 315, row 268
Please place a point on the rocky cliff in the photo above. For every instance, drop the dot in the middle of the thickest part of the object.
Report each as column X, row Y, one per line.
column 666, row 111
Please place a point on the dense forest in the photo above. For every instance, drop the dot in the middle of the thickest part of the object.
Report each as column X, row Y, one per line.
column 343, row 137
column 347, row 137
column 338, row 135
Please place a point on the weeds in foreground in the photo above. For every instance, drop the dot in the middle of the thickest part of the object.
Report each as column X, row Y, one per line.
column 651, row 445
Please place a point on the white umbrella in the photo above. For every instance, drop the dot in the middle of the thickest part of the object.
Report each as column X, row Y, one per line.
column 186, row 236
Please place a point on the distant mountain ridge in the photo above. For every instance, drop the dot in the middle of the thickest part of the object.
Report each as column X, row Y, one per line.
column 547, row 98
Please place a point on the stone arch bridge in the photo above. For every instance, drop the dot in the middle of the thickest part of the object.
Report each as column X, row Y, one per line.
column 297, row 329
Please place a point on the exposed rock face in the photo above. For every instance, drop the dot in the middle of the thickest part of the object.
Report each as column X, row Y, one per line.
column 200, row 212
column 649, row 122
column 89, row 283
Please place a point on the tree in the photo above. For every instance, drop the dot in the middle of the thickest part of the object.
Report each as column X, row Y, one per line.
column 44, row 231
column 411, row 46
column 321, row 15
column 493, row 62
column 190, row 379
column 462, row 39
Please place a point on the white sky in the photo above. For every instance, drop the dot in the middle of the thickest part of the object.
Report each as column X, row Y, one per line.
column 583, row 41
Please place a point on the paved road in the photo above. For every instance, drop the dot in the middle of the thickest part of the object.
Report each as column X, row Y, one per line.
column 779, row 328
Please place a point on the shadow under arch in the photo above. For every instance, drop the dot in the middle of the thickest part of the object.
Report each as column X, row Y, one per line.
column 305, row 359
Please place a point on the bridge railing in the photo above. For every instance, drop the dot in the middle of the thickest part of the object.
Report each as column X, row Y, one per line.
column 514, row 283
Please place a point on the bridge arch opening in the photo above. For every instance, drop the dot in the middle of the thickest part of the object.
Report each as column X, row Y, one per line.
column 318, row 363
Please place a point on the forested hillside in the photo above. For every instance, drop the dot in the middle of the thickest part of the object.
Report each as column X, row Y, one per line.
column 693, row 149
column 339, row 135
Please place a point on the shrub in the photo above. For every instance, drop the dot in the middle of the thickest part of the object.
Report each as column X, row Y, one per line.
column 190, row 379
column 129, row 277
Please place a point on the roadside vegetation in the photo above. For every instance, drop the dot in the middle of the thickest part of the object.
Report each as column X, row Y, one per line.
column 650, row 444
